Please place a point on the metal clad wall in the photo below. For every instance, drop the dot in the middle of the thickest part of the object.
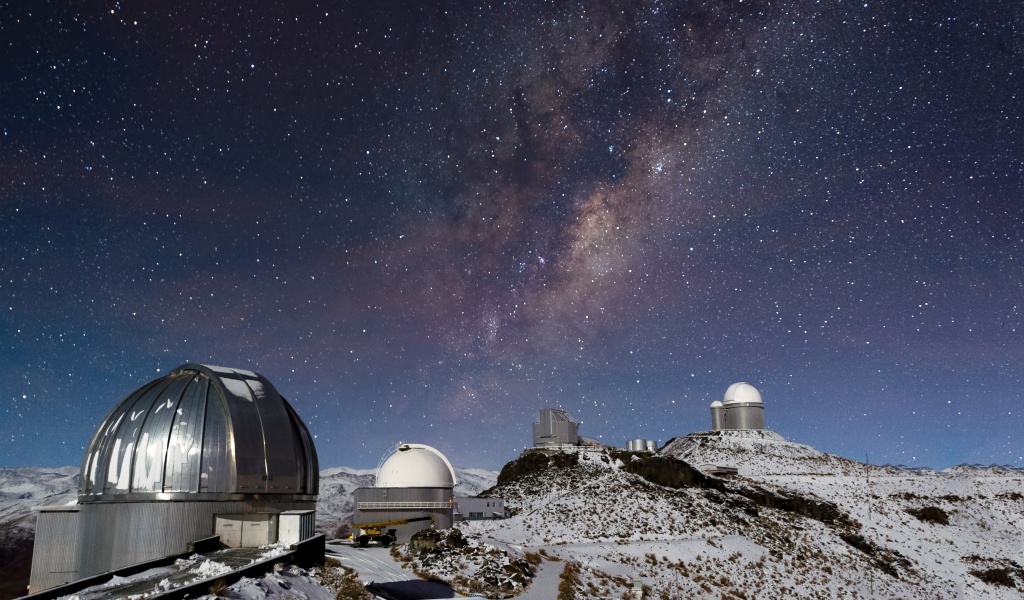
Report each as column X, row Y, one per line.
column 118, row 534
column 95, row 541
column 744, row 416
column 184, row 453
column 55, row 557
column 717, row 418
column 307, row 527
column 376, row 494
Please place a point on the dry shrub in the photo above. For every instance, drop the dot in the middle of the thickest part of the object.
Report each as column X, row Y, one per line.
column 930, row 514
column 219, row 588
column 570, row 580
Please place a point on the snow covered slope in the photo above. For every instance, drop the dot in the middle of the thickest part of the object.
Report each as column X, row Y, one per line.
column 23, row 488
column 796, row 523
column 20, row 490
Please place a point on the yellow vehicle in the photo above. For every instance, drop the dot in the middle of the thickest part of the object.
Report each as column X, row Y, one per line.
column 379, row 532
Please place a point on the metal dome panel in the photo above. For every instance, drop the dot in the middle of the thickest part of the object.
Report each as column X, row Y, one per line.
column 415, row 466
column 217, row 432
column 742, row 392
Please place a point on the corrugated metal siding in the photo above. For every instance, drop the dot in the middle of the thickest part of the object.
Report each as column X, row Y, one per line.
column 116, row 534
column 54, row 558
column 307, row 525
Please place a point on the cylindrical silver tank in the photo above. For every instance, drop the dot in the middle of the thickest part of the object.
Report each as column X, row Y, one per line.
column 652, row 446
column 639, row 444
column 717, row 416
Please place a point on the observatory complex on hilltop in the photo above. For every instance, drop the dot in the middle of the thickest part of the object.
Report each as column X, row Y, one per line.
column 202, row 451
column 740, row 409
column 740, row 412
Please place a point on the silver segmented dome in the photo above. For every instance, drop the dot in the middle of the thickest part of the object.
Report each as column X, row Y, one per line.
column 201, row 432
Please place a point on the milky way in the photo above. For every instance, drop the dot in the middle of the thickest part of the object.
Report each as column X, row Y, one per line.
column 424, row 222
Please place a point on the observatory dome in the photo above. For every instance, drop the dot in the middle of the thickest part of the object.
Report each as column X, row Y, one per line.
column 742, row 392
column 201, row 433
column 716, row 404
column 415, row 466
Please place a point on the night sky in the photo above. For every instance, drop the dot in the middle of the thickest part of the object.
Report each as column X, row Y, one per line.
column 426, row 221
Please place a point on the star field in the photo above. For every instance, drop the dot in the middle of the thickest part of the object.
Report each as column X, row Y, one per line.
column 426, row 221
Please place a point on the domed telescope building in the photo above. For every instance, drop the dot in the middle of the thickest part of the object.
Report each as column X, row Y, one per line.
column 740, row 409
column 414, row 491
column 202, row 451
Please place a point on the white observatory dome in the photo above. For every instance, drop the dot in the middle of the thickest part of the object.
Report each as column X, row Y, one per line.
column 742, row 392
column 415, row 466
column 716, row 404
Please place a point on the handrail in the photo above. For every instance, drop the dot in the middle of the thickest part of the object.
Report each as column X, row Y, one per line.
column 380, row 505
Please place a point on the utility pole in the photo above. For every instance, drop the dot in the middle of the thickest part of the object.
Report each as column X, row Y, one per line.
column 867, row 480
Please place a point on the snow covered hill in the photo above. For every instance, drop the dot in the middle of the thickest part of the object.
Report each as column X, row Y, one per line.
column 794, row 523
column 23, row 488
column 20, row 490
